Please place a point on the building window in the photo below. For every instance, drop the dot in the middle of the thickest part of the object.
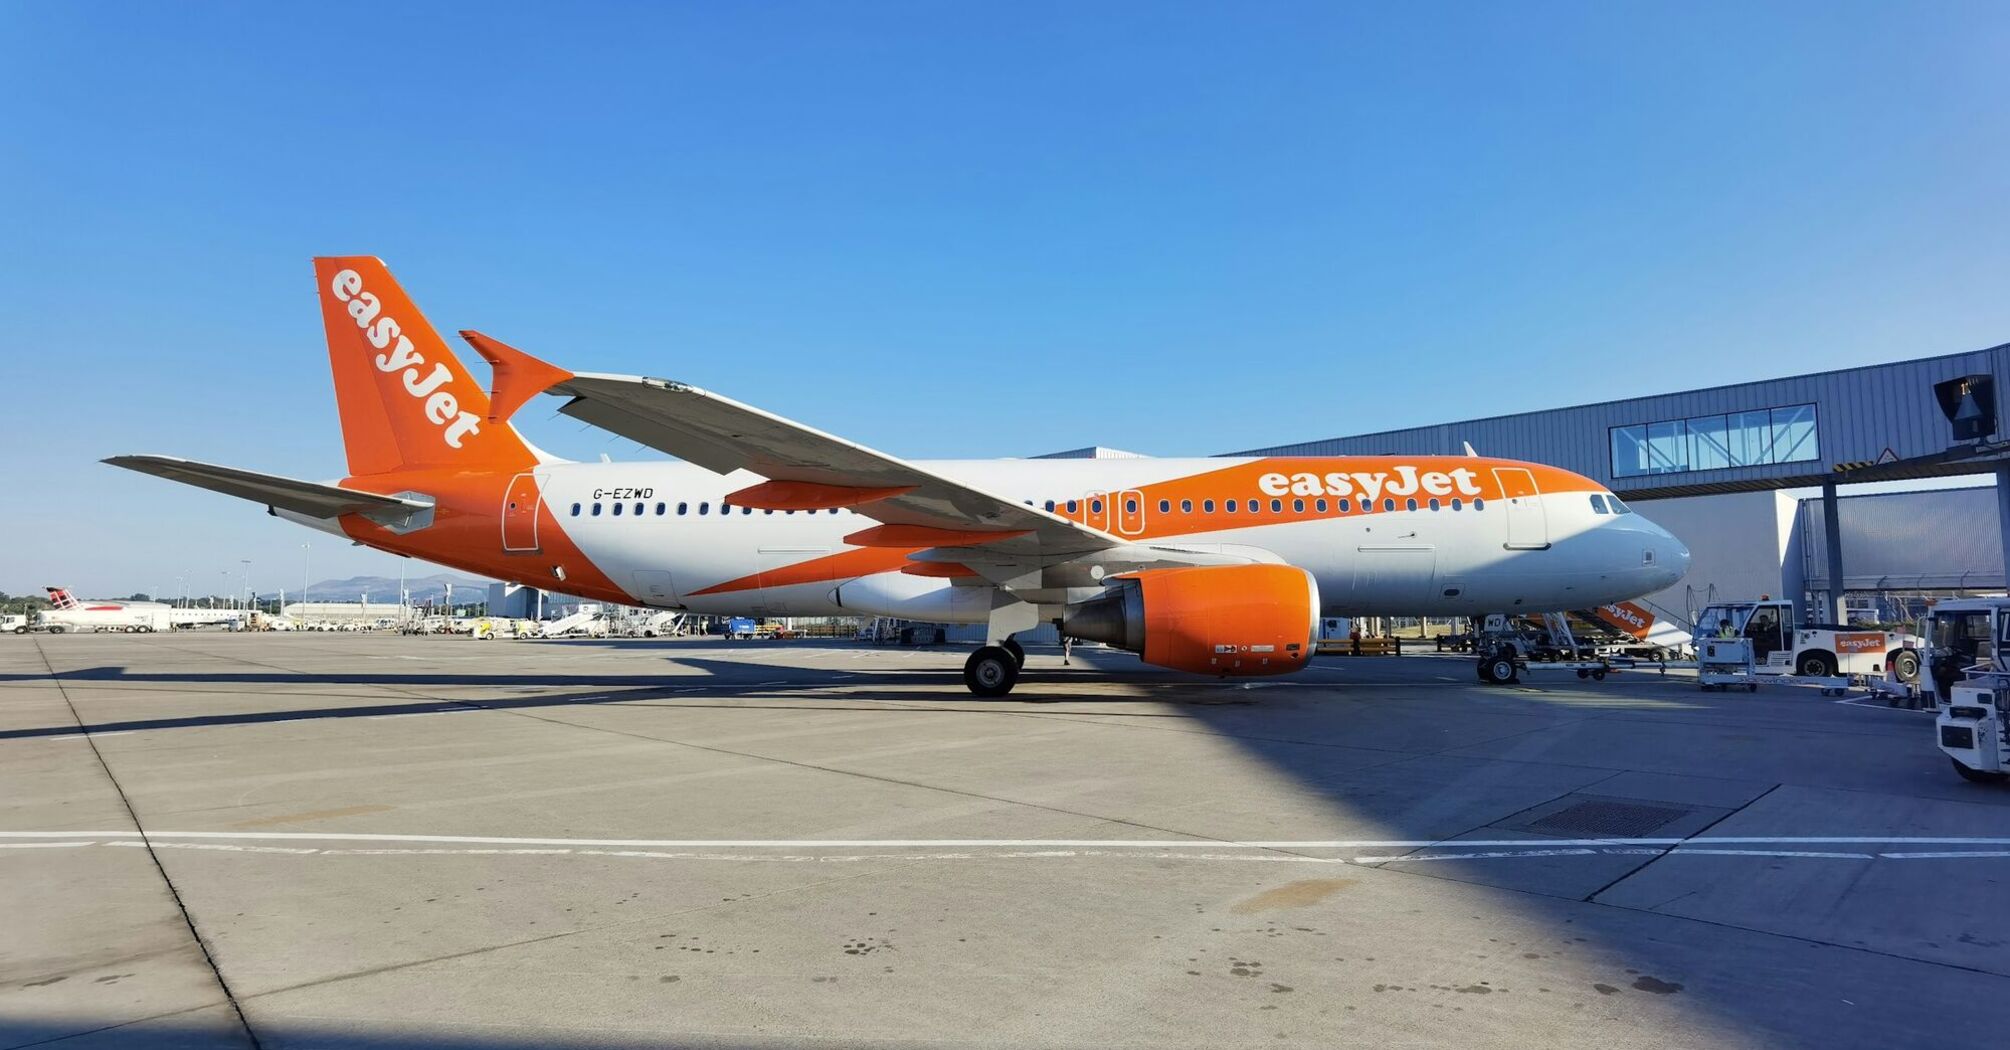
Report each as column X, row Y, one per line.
column 1736, row 439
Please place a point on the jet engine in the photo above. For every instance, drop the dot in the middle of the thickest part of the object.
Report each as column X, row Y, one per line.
column 1216, row 619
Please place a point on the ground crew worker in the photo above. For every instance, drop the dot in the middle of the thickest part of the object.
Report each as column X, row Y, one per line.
column 1725, row 630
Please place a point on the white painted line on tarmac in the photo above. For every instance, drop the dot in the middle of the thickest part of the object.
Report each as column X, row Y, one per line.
column 44, row 845
column 87, row 736
column 1109, row 844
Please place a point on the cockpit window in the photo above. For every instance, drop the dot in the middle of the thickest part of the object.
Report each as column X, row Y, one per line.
column 1618, row 507
column 1598, row 504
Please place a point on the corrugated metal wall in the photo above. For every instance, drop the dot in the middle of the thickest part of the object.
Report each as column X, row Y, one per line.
column 1860, row 412
column 1900, row 541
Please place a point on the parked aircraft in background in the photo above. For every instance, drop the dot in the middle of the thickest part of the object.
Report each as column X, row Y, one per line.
column 1216, row 566
column 68, row 613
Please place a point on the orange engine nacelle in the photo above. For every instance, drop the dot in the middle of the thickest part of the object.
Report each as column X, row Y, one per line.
column 1219, row 619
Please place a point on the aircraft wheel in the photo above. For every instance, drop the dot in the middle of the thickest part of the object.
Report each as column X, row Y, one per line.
column 1500, row 669
column 58, row 629
column 991, row 671
column 1011, row 645
column 1976, row 776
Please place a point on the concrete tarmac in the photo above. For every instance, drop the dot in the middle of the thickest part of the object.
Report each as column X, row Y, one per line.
column 351, row 841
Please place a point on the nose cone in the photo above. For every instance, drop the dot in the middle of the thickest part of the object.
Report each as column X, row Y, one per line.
column 1667, row 558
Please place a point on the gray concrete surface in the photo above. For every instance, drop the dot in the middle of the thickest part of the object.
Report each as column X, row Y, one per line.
column 363, row 841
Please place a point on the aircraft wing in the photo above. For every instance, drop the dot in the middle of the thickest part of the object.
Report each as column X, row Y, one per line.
column 302, row 497
column 919, row 508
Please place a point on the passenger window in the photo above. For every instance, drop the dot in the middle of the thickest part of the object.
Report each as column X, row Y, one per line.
column 575, row 510
column 617, row 509
column 770, row 510
column 1130, row 506
column 1411, row 504
column 1050, row 506
column 1276, row 506
column 1071, row 506
column 638, row 510
column 660, row 509
column 682, row 508
column 1298, row 506
column 1186, row 506
column 704, row 508
column 746, row 511
column 1320, row 506
column 1346, row 505
column 1165, row 506
column 1207, row 506
column 1230, row 506
column 1598, row 504
column 1434, row 504
column 1388, row 504
column 1095, row 506
column 1479, row 504
column 1457, row 503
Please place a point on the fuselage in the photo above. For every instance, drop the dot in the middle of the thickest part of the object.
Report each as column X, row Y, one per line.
column 1398, row 535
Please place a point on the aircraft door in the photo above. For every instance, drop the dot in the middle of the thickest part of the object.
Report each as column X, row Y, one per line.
column 1130, row 511
column 1527, row 521
column 521, row 509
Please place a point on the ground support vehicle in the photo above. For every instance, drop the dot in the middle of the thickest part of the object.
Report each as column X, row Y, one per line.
column 1783, row 647
column 1507, row 651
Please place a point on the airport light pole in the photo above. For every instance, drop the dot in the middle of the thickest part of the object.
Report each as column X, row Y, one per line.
column 248, row 596
column 306, row 553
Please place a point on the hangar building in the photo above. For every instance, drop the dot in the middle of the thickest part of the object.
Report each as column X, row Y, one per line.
column 1716, row 466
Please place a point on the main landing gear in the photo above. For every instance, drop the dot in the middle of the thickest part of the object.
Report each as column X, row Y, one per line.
column 994, row 669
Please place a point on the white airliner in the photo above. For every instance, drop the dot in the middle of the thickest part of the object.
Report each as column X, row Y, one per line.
column 1216, row 566
column 68, row 613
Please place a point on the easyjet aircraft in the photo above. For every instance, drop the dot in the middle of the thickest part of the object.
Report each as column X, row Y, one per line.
column 1216, row 566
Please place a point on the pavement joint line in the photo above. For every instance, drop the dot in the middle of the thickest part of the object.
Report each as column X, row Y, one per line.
column 1690, row 840
column 188, row 920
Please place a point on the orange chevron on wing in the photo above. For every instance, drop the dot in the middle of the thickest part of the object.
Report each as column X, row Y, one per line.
column 843, row 565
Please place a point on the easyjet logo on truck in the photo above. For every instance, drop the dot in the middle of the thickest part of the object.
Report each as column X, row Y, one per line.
column 442, row 408
column 1373, row 485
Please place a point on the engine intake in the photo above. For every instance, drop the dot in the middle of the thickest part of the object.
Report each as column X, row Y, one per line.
column 1218, row 619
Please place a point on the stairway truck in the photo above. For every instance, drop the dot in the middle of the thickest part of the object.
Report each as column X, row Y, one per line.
column 1652, row 635
column 1782, row 645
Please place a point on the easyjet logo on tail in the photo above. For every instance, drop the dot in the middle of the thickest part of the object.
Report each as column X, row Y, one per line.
column 1372, row 485
column 441, row 407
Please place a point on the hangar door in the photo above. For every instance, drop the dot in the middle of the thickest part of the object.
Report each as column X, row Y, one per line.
column 1527, row 522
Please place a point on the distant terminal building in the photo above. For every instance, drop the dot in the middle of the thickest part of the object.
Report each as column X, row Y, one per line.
column 341, row 612
column 1715, row 466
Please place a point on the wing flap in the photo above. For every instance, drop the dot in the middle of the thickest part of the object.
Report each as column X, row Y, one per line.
column 311, row 498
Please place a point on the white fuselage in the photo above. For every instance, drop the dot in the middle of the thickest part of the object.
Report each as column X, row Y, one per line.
column 1542, row 552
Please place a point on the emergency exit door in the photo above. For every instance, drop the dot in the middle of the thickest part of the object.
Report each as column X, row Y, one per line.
column 520, row 511
column 1527, row 521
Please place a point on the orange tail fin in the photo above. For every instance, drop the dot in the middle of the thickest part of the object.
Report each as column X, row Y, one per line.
column 406, row 401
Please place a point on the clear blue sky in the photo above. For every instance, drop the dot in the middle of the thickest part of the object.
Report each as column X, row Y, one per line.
column 962, row 230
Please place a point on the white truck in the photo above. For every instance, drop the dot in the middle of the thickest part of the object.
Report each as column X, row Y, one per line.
column 1783, row 646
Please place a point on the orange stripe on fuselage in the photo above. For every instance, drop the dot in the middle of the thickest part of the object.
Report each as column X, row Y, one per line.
column 467, row 533
column 844, row 565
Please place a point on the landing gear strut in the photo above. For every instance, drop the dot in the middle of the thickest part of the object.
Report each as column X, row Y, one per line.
column 1018, row 651
column 992, row 670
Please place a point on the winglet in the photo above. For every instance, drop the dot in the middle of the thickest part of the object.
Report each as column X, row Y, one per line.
column 518, row 376
column 1470, row 454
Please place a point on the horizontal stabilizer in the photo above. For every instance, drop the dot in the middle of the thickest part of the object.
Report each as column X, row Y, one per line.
column 311, row 498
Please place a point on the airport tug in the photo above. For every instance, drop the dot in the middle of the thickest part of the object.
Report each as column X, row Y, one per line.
column 1969, row 677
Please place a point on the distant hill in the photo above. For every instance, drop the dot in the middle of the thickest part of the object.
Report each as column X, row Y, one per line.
column 385, row 589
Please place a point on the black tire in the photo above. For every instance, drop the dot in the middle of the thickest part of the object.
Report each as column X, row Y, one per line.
column 20, row 630
column 58, row 629
column 1905, row 666
column 1975, row 776
column 1485, row 669
column 1500, row 670
column 991, row 671
column 1582, row 673
column 1598, row 676
column 1816, row 665
column 1011, row 645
